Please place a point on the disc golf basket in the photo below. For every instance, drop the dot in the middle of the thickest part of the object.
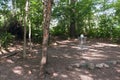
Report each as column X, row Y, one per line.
column 82, row 42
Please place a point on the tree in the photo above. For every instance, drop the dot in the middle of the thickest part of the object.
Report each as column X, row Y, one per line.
column 117, row 13
column 72, row 29
column 46, row 23
column 25, row 24
column 30, row 42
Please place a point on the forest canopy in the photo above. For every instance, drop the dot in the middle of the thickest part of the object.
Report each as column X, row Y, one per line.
column 70, row 18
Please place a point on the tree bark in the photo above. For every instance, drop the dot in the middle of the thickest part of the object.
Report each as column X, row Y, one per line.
column 46, row 23
column 25, row 25
column 72, row 29
column 30, row 42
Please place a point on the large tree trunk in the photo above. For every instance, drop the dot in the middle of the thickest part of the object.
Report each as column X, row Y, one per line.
column 25, row 25
column 46, row 23
column 72, row 29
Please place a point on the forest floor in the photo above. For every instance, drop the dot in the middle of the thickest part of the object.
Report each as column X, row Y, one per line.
column 64, row 60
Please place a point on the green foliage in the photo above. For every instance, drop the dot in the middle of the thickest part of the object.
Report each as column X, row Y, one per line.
column 35, row 13
column 98, row 33
column 92, row 33
column 58, row 31
column 116, row 34
column 95, row 18
column 37, row 35
column 5, row 39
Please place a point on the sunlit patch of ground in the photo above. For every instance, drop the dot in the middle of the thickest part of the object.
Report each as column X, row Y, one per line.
column 62, row 54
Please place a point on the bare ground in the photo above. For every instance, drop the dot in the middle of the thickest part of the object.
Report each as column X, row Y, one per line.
column 60, row 56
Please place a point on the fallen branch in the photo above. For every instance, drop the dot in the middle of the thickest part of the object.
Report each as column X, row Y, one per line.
column 8, row 55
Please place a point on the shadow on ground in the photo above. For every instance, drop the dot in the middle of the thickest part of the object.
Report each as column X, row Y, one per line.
column 60, row 56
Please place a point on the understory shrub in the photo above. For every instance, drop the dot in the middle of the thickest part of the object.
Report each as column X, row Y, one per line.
column 37, row 35
column 5, row 39
column 59, row 31
column 99, row 33
column 116, row 35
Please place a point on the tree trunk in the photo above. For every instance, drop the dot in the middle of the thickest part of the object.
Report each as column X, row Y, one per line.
column 25, row 25
column 30, row 31
column 46, row 23
column 14, row 7
column 30, row 43
column 72, row 30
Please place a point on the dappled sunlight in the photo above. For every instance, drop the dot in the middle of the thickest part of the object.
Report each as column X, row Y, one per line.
column 34, row 50
column 11, row 49
column 94, row 56
column 118, row 68
column 67, row 56
column 73, row 73
column 29, row 72
column 54, row 44
column 27, row 66
column 104, row 44
column 64, row 76
column 32, row 57
column 85, row 77
column 118, row 56
column 80, row 48
column 95, row 50
column 81, row 75
column 10, row 61
column 87, row 52
column 3, row 51
column 61, row 56
column 63, row 46
column 55, row 74
column 18, row 70
column 54, row 56
column 16, row 47
column 64, row 42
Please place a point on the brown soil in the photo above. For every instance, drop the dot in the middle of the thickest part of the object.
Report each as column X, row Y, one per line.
column 61, row 55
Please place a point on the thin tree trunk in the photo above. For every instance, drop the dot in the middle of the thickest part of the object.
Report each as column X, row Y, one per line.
column 25, row 25
column 14, row 7
column 30, row 43
column 29, row 27
column 46, row 23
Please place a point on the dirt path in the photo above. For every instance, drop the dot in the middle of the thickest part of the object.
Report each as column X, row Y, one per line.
column 61, row 56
